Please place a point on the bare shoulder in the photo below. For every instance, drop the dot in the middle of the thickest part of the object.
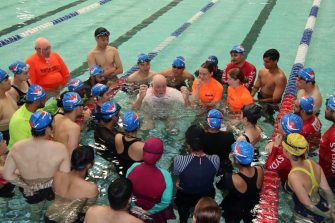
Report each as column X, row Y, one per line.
column 165, row 72
column 132, row 77
column 95, row 212
column 111, row 49
column 91, row 190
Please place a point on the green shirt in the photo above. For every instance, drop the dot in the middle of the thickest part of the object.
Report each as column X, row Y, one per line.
column 19, row 127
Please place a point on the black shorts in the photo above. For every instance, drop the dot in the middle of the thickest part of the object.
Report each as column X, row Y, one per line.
column 41, row 195
column 7, row 190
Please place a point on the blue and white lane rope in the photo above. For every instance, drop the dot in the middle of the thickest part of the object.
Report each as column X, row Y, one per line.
column 299, row 62
column 52, row 23
column 173, row 36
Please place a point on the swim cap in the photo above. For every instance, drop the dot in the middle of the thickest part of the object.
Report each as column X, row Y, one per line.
column 238, row 49
column 214, row 118
column 1, row 136
column 330, row 103
column 307, row 74
column 18, row 67
column 142, row 57
column 96, row 70
column 71, row 100
column 307, row 104
column 75, row 85
column 179, row 62
column 291, row 123
column 109, row 110
column 40, row 120
column 130, row 121
column 243, row 152
column 35, row 93
column 295, row 144
column 3, row 75
column 99, row 89
column 152, row 150
column 213, row 59
column 101, row 31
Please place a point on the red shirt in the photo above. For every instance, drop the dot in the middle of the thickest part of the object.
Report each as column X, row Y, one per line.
column 279, row 163
column 247, row 69
column 311, row 130
column 327, row 152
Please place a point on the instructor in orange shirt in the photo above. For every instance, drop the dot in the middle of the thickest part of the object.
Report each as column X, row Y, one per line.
column 47, row 68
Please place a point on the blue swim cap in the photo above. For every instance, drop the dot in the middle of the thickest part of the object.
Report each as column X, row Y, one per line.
column 3, row 75
column 213, row 59
column 291, row 123
column 35, row 93
column 130, row 121
column 330, row 103
column 238, row 49
column 307, row 74
column 109, row 110
column 179, row 62
column 96, row 70
column 40, row 120
column 142, row 57
column 1, row 136
column 75, row 85
column 99, row 89
column 18, row 67
column 307, row 103
column 214, row 118
column 243, row 152
column 71, row 100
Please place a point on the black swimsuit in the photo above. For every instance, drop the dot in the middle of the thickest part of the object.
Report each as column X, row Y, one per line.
column 22, row 95
column 125, row 160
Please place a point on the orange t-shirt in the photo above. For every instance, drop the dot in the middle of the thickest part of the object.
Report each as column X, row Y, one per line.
column 238, row 97
column 49, row 75
column 209, row 92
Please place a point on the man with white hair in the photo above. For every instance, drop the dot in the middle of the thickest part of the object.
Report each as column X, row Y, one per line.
column 158, row 100
column 47, row 68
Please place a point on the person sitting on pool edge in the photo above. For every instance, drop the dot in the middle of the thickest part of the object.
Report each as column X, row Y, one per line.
column 177, row 76
column 105, row 56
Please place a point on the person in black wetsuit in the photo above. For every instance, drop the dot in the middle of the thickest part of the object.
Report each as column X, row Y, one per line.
column 104, row 135
column 20, row 83
column 129, row 148
column 243, row 187
column 195, row 173
column 218, row 142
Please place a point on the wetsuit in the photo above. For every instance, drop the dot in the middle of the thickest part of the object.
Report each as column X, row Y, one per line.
column 298, row 206
column 125, row 160
column 311, row 130
column 21, row 94
column 196, row 176
column 219, row 143
column 247, row 69
column 236, row 205
column 327, row 155
column 278, row 162
column 153, row 189
column 106, row 137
